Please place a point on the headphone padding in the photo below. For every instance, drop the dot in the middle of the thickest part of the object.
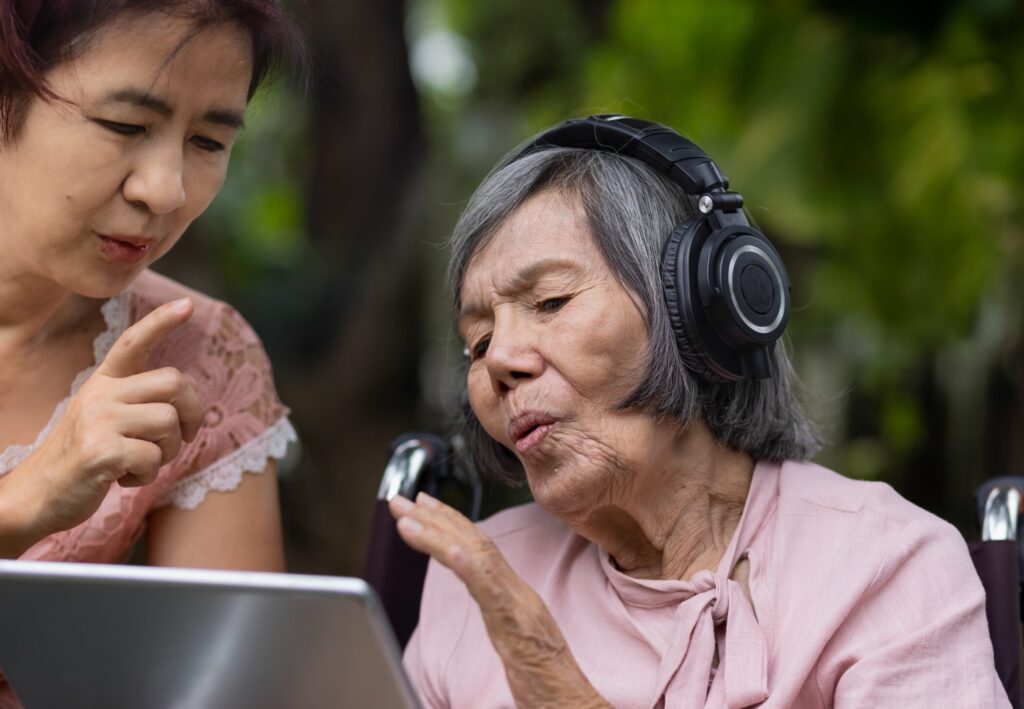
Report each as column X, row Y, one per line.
column 671, row 284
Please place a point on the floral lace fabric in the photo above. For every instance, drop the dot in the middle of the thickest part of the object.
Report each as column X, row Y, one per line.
column 245, row 424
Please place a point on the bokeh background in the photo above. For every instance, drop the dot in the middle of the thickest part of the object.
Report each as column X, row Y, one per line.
column 879, row 144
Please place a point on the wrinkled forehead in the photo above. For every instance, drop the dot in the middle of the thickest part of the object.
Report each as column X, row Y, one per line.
column 549, row 225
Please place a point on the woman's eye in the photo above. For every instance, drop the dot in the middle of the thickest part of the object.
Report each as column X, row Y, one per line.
column 122, row 128
column 207, row 144
column 552, row 305
column 479, row 349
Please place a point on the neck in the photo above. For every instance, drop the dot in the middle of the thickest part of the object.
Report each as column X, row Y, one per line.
column 35, row 310
column 679, row 512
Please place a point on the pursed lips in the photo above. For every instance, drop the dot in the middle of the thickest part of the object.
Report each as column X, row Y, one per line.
column 133, row 240
column 528, row 429
column 126, row 248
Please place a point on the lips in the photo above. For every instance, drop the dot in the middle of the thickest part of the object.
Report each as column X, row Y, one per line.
column 529, row 429
column 124, row 248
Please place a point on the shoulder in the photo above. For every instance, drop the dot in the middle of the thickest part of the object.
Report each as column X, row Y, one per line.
column 809, row 488
column 887, row 595
column 210, row 315
column 216, row 332
column 857, row 529
column 151, row 290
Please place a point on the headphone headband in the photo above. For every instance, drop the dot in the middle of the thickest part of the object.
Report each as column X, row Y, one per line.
column 658, row 146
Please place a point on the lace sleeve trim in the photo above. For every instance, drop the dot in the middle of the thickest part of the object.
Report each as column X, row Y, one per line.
column 225, row 474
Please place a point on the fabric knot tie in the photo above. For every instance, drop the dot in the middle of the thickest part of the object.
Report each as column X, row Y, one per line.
column 743, row 653
column 706, row 581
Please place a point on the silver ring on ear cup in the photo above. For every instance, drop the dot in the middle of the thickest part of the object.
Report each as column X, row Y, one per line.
column 731, row 268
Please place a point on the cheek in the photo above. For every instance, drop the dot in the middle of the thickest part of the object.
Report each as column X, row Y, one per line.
column 201, row 188
column 602, row 354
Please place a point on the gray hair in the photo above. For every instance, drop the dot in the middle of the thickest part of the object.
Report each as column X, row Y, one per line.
column 631, row 211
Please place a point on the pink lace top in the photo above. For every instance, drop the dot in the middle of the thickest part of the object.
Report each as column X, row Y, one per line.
column 245, row 423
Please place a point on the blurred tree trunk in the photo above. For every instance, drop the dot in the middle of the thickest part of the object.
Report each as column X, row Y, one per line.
column 1005, row 453
column 354, row 387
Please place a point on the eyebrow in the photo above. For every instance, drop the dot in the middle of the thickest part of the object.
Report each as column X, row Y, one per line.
column 144, row 99
column 523, row 281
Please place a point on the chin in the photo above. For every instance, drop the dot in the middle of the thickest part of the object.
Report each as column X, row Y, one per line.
column 102, row 285
column 561, row 491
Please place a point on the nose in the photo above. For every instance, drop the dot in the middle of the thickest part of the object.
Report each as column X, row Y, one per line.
column 512, row 356
column 156, row 182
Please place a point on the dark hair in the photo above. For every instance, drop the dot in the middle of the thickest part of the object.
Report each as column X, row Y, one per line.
column 38, row 35
column 631, row 210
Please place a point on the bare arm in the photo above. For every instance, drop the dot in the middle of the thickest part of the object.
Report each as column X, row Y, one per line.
column 240, row 529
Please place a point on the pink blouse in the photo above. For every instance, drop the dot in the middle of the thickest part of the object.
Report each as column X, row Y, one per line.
column 244, row 425
column 857, row 599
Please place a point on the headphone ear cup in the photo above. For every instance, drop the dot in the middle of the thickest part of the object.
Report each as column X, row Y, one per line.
column 754, row 305
column 675, row 287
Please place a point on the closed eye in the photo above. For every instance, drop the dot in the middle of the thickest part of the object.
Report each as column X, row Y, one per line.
column 552, row 305
column 121, row 128
column 479, row 349
column 208, row 144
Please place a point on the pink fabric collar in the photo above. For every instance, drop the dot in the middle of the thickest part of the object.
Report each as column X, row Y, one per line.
column 706, row 600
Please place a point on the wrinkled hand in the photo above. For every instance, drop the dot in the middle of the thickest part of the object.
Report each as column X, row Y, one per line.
column 122, row 426
column 540, row 667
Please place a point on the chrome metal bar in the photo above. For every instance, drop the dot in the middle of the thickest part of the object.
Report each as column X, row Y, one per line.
column 403, row 470
column 1002, row 508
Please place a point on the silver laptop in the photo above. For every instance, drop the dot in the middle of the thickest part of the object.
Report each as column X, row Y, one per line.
column 93, row 635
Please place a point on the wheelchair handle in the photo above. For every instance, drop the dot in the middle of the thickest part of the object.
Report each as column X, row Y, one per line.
column 411, row 456
column 1002, row 510
column 999, row 508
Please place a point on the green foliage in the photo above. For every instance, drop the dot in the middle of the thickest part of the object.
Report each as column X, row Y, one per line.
column 256, row 226
column 881, row 148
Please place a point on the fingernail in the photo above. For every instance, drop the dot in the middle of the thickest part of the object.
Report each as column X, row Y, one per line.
column 181, row 305
column 401, row 504
column 410, row 526
column 427, row 501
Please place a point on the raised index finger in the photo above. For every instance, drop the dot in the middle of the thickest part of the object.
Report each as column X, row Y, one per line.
column 130, row 353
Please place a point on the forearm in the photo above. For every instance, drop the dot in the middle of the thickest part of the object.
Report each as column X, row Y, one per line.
column 539, row 665
column 558, row 683
column 17, row 532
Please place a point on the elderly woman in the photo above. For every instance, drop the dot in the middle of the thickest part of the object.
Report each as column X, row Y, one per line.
column 681, row 551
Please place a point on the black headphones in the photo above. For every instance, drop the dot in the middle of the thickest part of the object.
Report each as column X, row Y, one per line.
column 726, row 288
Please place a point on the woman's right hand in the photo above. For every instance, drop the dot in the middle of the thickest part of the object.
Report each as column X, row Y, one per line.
column 122, row 426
